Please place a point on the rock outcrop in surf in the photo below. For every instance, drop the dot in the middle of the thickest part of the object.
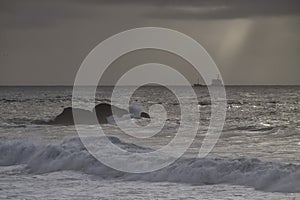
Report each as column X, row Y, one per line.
column 102, row 112
column 66, row 117
column 105, row 110
column 145, row 115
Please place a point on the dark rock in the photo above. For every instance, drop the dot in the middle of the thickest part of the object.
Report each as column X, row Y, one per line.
column 102, row 111
column 145, row 115
column 66, row 117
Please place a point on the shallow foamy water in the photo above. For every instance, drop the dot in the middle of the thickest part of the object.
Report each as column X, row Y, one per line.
column 71, row 185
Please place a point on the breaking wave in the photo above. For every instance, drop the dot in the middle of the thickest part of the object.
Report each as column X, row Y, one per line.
column 72, row 155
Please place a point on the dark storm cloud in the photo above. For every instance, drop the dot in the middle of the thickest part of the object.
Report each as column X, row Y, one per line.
column 42, row 13
column 252, row 42
column 211, row 9
column 36, row 13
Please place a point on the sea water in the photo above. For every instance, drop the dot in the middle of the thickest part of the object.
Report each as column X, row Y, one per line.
column 256, row 157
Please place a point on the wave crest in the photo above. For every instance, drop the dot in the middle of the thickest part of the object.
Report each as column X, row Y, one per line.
column 72, row 155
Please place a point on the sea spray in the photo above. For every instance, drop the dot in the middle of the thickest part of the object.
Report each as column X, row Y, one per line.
column 72, row 155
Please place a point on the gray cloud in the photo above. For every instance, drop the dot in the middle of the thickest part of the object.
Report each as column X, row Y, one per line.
column 37, row 13
column 252, row 42
column 211, row 9
column 43, row 13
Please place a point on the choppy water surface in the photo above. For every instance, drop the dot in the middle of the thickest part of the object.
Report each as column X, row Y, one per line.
column 256, row 157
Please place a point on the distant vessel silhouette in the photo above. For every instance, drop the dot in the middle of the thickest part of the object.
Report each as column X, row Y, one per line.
column 216, row 82
column 198, row 84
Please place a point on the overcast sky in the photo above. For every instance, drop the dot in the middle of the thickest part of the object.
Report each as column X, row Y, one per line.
column 43, row 42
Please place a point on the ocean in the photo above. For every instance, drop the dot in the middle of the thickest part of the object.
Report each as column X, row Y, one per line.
column 256, row 157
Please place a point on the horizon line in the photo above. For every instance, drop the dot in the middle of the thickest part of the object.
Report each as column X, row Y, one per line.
column 152, row 85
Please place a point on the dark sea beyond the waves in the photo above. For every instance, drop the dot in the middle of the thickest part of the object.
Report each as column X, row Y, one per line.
column 256, row 157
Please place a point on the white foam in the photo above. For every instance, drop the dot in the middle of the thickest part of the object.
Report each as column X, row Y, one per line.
column 71, row 155
column 136, row 109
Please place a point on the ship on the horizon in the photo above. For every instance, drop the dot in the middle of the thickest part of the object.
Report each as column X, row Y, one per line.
column 198, row 83
column 216, row 82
